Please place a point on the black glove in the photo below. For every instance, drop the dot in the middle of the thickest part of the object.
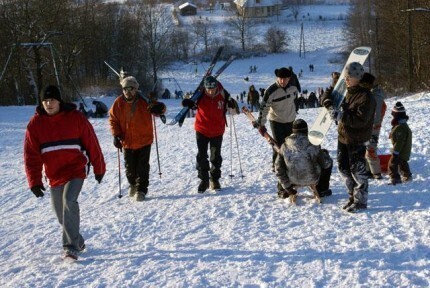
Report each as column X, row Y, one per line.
column 157, row 108
column 327, row 103
column 99, row 177
column 335, row 77
column 188, row 103
column 255, row 124
column 117, row 142
column 37, row 190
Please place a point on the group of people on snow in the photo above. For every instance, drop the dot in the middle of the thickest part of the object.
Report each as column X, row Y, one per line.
column 61, row 143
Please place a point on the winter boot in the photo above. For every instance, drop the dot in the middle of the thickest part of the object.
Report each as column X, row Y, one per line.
column 215, row 185
column 377, row 176
column 325, row 193
column 349, row 203
column 132, row 190
column 70, row 255
column 140, row 196
column 406, row 178
column 355, row 207
column 395, row 181
column 283, row 194
column 203, row 186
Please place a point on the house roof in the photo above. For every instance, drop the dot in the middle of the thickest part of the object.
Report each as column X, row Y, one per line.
column 187, row 4
column 255, row 3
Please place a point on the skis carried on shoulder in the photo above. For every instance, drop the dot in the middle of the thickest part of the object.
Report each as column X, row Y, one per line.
column 180, row 117
column 266, row 135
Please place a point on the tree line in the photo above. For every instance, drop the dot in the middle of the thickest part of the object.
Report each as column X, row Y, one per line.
column 50, row 41
column 399, row 33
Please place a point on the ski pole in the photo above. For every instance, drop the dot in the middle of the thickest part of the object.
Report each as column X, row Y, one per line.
column 156, row 145
column 237, row 145
column 231, row 149
column 119, row 176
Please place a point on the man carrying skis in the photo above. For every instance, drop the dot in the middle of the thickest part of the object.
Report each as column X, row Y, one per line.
column 131, row 126
column 279, row 105
column 355, row 121
column 60, row 141
column 210, row 126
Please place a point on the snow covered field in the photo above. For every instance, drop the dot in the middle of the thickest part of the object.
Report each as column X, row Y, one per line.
column 241, row 236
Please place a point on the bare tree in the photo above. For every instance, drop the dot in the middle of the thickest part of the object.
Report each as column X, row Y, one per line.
column 202, row 30
column 276, row 39
column 156, row 33
column 243, row 26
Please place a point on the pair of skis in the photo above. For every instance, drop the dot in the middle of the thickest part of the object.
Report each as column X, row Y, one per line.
column 180, row 117
column 266, row 135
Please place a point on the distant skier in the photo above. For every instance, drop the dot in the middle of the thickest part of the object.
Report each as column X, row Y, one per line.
column 253, row 99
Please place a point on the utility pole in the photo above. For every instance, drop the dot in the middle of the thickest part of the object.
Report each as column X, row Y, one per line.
column 302, row 42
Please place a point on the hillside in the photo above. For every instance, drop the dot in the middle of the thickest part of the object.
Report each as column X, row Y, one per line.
column 241, row 236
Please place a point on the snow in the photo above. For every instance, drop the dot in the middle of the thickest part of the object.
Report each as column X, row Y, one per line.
column 241, row 236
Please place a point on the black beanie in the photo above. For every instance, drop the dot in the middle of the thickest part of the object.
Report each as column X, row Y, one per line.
column 300, row 126
column 283, row 72
column 398, row 110
column 50, row 92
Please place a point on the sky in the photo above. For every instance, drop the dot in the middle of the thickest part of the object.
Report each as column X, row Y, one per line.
column 241, row 236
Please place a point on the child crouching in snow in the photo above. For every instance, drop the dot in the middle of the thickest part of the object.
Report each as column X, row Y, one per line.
column 401, row 138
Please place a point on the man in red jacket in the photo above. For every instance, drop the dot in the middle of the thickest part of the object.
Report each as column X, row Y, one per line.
column 60, row 140
column 210, row 126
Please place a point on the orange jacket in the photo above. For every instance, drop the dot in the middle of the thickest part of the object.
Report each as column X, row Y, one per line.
column 132, row 122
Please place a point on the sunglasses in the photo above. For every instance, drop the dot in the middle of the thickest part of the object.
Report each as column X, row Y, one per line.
column 128, row 89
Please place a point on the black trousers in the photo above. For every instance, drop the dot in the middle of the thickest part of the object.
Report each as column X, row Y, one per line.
column 202, row 163
column 137, row 167
column 280, row 132
column 324, row 181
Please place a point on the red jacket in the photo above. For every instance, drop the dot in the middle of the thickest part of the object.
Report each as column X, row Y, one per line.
column 63, row 144
column 210, row 118
column 132, row 122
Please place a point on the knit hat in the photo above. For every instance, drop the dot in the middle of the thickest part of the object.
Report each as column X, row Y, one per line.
column 300, row 126
column 210, row 82
column 283, row 72
column 354, row 70
column 129, row 81
column 398, row 110
column 50, row 92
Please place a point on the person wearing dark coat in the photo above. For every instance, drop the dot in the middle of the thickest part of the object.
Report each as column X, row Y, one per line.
column 301, row 163
column 355, row 121
column 101, row 109
column 253, row 99
column 294, row 80
column 401, row 138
